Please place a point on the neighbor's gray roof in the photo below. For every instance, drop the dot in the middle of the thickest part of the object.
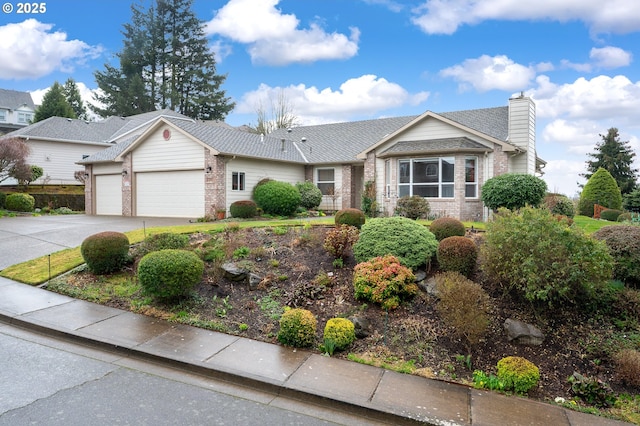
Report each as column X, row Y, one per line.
column 104, row 131
column 434, row 145
column 13, row 99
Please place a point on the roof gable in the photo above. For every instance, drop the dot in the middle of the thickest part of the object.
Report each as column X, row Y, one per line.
column 13, row 99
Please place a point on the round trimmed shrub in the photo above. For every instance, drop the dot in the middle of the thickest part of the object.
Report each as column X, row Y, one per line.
column 446, row 227
column 310, row 195
column 341, row 332
column 518, row 373
column 297, row 328
column 20, row 202
column 384, row 280
column 602, row 189
column 169, row 274
column 458, row 254
column 624, row 245
column 513, row 191
column 350, row 216
column 243, row 209
column 105, row 252
column 414, row 207
column 413, row 244
column 277, row 198
column 610, row 215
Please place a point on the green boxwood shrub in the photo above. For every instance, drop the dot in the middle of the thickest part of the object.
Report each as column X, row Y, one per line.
column 297, row 328
column 602, row 189
column 385, row 281
column 414, row 207
column 310, row 195
column 169, row 274
column 277, row 198
column 340, row 332
column 533, row 255
column 513, row 191
column 413, row 244
column 518, row 374
column 610, row 214
column 105, row 252
column 20, row 202
column 445, row 227
column 243, row 209
column 458, row 254
column 624, row 245
column 350, row 216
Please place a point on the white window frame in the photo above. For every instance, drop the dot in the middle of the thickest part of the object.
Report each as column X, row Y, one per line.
column 321, row 184
column 468, row 184
column 433, row 168
column 238, row 181
column 24, row 117
column 3, row 115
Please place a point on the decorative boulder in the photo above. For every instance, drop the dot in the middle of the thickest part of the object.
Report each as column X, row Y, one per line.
column 361, row 326
column 233, row 272
column 522, row 333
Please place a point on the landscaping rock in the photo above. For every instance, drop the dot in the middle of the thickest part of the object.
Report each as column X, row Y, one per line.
column 254, row 280
column 234, row 272
column 361, row 325
column 428, row 285
column 522, row 333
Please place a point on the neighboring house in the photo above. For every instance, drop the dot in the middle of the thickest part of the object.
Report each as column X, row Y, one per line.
column 57, row 143
column 183, row 168
column 16, row 110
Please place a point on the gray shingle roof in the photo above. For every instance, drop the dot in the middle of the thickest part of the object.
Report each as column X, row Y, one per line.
column 12, row 99
column 493, row 122
column 434, row 145
column 70, row 130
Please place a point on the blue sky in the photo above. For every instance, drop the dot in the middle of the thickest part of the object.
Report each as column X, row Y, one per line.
column 342, row 60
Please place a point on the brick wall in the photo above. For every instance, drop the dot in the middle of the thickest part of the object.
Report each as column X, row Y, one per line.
column 215, row 183
column 347, row 186
column 88, row 190
column 127, row 196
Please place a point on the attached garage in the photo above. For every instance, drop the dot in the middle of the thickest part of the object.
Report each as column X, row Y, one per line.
column 108, row 194
column 170, row 194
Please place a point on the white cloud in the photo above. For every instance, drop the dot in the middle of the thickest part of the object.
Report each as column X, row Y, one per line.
column 602, row 98
column 610, row 57
column 389, row 4
column 488, row 73
column 562, row 176
column 274, row 38
column 446, row 16
column 30, row 49
column 364, row 95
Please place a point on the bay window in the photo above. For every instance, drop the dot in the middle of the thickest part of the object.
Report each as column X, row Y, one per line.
column 427, row 177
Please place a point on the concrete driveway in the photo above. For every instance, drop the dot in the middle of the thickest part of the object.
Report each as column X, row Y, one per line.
column 26, row 238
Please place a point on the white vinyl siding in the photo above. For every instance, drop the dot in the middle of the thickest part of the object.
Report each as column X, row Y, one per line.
column 178, row 153
column 108, row 190
column 255, row 171
column 170, row 194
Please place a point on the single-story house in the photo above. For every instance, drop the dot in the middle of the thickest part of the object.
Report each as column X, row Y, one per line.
column 179, row 167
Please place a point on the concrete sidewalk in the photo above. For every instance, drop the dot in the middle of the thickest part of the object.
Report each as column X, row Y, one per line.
column 368, row 391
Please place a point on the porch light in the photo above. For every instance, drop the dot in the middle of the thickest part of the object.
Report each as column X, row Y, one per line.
column 209, row 169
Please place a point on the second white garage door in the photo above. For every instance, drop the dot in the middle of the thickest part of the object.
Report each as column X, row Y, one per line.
column 170, row 194
column 109, row 194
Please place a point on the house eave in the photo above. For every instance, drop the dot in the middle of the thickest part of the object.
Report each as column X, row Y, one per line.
column 435, row 152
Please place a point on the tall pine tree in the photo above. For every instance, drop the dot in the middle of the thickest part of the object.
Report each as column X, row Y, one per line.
column 54, row 104
column 165, row 63
column 616, row 157
column 72, row 95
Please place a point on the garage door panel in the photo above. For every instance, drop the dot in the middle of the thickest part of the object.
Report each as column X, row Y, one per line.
column 170, row 194
column 109, row 194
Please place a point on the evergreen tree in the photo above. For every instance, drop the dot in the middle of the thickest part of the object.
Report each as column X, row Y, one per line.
column 602, row 189
column 54, row 104
column 72, row 95
column 616, row 157
column 165, row 63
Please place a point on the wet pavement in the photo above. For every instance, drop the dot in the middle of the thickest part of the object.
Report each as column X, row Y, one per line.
column 368, row 391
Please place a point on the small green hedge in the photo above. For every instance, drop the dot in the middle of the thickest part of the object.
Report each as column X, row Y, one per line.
column 243, row 209
column 20, row 202
column 105, row 252
column 277, row 198
column 169, row 274
column 297, row 328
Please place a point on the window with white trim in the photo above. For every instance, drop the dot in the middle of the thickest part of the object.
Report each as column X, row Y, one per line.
column 471, row 177
column 24, row 117
column 237, row 181
column 426, row 177
column 3, row 115
column 326, row 181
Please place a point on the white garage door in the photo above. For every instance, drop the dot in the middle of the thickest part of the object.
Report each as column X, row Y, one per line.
column 109, row 194
column 170, row 194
